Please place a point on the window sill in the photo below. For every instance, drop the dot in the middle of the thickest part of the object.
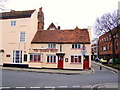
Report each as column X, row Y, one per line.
column 75, row 63
column 75, row 48
column 51, row 48
column 35, row 62
column 51, row 63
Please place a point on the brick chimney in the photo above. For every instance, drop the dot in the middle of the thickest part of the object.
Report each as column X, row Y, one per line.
column 40, row 19
column 12, row 10
column 40, row 9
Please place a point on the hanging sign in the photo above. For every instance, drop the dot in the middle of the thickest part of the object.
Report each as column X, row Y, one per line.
column 83, row 50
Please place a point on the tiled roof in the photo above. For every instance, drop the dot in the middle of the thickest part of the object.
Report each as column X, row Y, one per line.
column 16, row 14
column 62, row 36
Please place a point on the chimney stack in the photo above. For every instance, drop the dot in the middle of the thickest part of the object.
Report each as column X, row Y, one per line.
column 40, row 19
column 12, row 10
column 58, row 27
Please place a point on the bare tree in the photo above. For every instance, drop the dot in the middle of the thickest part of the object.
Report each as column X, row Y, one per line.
column 107, row 23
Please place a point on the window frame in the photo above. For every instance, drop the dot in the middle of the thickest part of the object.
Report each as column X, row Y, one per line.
column 17, row 56
column 25, row 57
column 35, row 56
column 52, row 28
column 13, row 23
column 74, row 57
column 76, row 46
column 52, row 45
column 51, row 59
column 22, row 38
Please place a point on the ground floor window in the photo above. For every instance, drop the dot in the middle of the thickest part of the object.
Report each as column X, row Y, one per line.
column 25, row 57
column 75, row 59
column 51, row 59
column 36, row 57
column 17, row 56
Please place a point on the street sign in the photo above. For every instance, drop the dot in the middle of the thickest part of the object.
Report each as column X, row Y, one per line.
column 83, row 50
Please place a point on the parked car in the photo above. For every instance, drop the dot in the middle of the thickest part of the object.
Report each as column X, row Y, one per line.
column 115, row 61
column 103, row 61
column 110, row 61
column 97, row 60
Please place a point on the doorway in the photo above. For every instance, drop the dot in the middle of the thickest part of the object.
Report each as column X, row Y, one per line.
column 60, row 62
column 86, row 62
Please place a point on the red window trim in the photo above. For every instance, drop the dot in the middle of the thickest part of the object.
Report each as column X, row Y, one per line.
column 36, row 61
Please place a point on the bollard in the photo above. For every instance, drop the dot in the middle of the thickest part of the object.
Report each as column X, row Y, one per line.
column 100, row 67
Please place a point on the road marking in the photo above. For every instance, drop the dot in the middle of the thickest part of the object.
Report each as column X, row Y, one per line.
column 49, row 87
column 89, row 86
column 34, row 87
column 4, row 87
column 76, row 86
column 20, row 87
column 62, row 86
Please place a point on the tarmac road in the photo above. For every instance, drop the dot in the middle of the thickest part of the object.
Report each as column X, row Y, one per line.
column 24, row 79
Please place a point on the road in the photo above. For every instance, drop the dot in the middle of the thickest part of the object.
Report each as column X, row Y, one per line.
column 15, row 79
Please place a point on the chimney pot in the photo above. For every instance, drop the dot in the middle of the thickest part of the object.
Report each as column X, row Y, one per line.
column 59, row 27
column 12, row 10
column 40, row 9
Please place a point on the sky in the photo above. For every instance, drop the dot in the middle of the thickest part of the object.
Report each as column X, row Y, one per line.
column 67, row 13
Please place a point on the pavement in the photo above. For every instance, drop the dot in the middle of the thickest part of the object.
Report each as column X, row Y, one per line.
column 108, row 85
column 50, row 71
column 104, row 66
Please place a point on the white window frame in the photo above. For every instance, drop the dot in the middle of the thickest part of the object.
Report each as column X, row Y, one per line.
column 76, row 56
column 51, row 61
column 22, row 38
column 53, row 45
column 74, row 46
column 104, row 48
column 52, row 28
column 13, row 23
column 19, row 56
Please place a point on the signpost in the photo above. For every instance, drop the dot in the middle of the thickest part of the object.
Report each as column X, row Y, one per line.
column 83, row 50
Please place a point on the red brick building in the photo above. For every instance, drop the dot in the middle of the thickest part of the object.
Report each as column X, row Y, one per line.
column 105, row 45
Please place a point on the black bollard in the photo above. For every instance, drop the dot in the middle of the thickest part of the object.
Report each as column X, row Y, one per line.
column 100, row 67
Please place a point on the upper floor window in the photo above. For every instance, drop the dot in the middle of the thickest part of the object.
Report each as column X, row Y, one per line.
column 22, row 37
column 116, row 45
column 51, row 45
column 116, row 35
column 104, row 48
column 75, row 45
column 13, row 23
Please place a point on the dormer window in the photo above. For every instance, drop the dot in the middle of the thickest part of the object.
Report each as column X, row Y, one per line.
column 52, row 28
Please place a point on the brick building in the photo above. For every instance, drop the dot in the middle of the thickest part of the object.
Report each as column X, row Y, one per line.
column 105, row 45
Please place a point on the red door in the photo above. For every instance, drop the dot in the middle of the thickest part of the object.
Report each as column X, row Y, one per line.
column 86, row 62
column 60, row 62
